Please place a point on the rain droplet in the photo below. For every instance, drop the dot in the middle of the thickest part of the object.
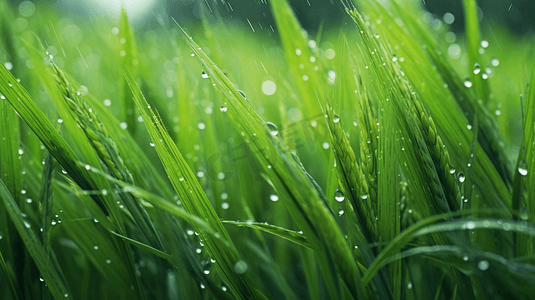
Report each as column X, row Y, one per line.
column 484, row 44
column 467, row 83
column 339, row 195
column 273, row 130
column 477, row 68
column 336, row 118
column 409, row 285
column 274, row 198
column 204, row 75
column 223, row 108
column 523, row 168
column 461, row 177
column 483, row 265
column 495, row 62
column 151, row 143
column 240, row 267
column 524, row 213
column 88, row 167
column 224, row 205
column 452, row 169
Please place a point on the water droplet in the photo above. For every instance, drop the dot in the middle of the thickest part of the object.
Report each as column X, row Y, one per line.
column 88, row 167
column 467, row 83
column 204, row 75
column 240, row 267
column 21, row 151
column 469, row 225
column 483, row 265
column 273, row 130
column 274, row 198
column 325, row 145
column 484, row 44
column 477, row 68
column 108, row 261
column 524, row 213
column 523, row 168
column 461, row 177
column 336, row 118
column 269, row 87
column 465, row 258
column 207, row 267
column 223, row 108
column 201, row 126
column 66, row 295
column 340, row 211
column 151, row 143
column 298, row 51
column 224, row 205
column 243, row 94
column 495, row 62
column 409, row 285
column 123, row 125
column 452, row 169
column 339, row 195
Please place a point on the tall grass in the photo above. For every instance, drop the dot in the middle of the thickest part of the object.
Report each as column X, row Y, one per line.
column 366, row 161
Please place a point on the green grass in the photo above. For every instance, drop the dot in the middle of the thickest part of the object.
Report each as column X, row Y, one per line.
column 368, row 160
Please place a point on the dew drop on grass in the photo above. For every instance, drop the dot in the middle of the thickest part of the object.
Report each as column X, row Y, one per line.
column 201, row 126
column 325, row 145
column 224, row 205
column 88, row 167
column 273, row 130
column 467, row 83
column 523, row 168
column 477, row 68
column 204, row 75
column 483, row 265
column 469, row 225
column 340, row 212
column 274, row 198
column 524, row 213
column 223, row 108
column 240, row 267
column 465, row 258
column 123, row 125
column 108, row 261
column 151, row 143
column 339, row 195
column 495, row 62
column 336, row 118
column 452, row 169
column 243, row 94
column 484, row 44
column 409, row 285
column 461, row 177
column 206, row 269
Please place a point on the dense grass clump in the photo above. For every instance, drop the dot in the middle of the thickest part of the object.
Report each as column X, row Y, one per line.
column 384, row 158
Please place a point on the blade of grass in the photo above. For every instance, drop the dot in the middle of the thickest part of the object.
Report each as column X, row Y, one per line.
column 48, row 268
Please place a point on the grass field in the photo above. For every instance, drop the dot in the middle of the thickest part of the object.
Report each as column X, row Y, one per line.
column 383, row 158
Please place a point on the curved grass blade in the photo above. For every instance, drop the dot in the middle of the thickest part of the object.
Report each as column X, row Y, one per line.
column 304, row 202
column 194, row 199
column 49, row 269
column 290, row 235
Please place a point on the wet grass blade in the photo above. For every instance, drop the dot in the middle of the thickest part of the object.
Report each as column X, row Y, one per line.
column 304, row 203
column 48, row 268
column 290, row 235
column 194, row 199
